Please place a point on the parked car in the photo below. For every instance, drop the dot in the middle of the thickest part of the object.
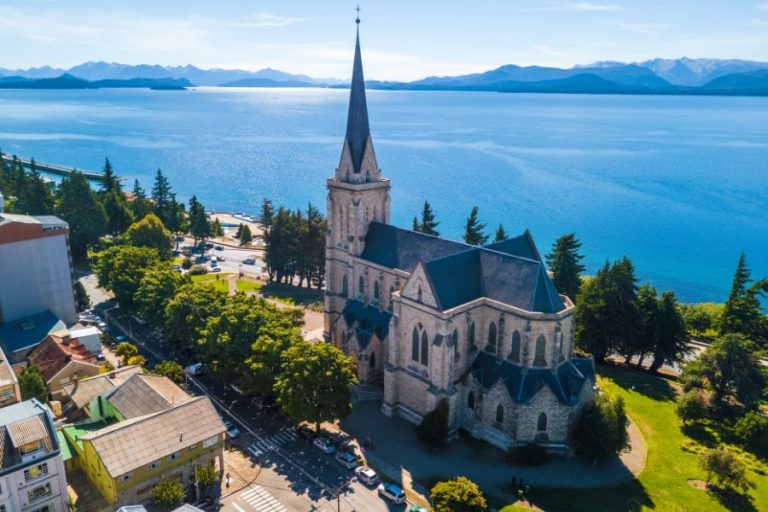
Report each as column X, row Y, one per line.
column 194, row 369
column 216, row 269
column 346, row 459
column 232, row 430
column 393, row 493
column 208, row 245
column 101, row 325
column 367, row 475
column 249, row 261
column 324, row 445
column 306, row 432
column 220, row 257
column 213, row 263
column 177, row 268
column 418, row 508
column 120, row 339
column 219, row 248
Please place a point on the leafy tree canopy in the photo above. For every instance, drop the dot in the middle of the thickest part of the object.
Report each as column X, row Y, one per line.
column 170, row 369
column 459, row 494
column 601, row 430
column 150, row 232
column 32, row 384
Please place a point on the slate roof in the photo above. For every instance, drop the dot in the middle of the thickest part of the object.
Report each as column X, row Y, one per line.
column 83, row 391
column 56, row 352
column 565, row 382
column 134, row 443
column 510, row 272
column 28, row 332
column 367, row 320
column 144, row 394
column 358, row 130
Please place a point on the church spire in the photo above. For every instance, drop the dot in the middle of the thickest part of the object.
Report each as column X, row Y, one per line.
column 358, row 130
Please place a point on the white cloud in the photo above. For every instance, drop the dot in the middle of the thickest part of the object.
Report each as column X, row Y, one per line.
column 589, row 6
column 646, row 28
column 265, row 20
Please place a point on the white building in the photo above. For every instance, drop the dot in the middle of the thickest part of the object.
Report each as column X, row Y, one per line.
column 430, row 319
column 31, row 468
column 35, row 268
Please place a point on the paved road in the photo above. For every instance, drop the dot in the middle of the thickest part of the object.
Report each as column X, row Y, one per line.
column 268, row 438
column 233, row 258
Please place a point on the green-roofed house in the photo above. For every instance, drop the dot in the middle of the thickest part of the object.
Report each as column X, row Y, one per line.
column 426, row 319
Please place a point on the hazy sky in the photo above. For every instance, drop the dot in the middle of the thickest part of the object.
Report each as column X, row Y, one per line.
column 401, row 39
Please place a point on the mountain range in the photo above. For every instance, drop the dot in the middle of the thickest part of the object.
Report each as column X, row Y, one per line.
column 656, row 76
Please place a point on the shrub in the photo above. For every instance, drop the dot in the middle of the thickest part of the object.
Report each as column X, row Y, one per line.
column 726, row 469
column 168, row 493
column 751, row 429
column 197, row 270
column 601, row 430
column 691, row 407
column 458, row 495
column 527, row 455
column 433, row 429
column 186, row 263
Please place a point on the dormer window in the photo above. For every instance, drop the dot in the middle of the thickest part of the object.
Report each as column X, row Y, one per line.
column 28, row 448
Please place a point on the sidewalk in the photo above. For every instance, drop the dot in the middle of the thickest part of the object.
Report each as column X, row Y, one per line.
column 395, row 440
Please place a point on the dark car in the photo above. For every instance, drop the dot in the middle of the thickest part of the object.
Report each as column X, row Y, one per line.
column 306, row 432
column 219, row 248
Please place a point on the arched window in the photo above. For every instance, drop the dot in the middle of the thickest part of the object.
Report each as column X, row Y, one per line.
column 419, row 294
column 376, row 291
column 491, row 338
column 471, row 334
column 391, row 292
column 361, row 287
column 514, row 355
column 471, row 400
column 500, row 414
column 345, row 286
column 559, row 337
column 541, row 348
column 424, row 348
column 372, row 361
column 541, row 425
column 455, row 340
column 415, row 345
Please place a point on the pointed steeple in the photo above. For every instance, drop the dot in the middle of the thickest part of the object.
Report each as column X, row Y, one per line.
column 358, row 130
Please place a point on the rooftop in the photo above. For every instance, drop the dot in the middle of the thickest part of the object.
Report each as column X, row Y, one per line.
column 7, row 376
column 27, row 332
column 56, row 351
column 143, row 394
column 84, row 390
column 45, row 221
column 20, row 424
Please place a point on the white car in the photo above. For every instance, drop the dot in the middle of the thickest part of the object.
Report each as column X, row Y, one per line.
column 324, row 445
column 367, row 475
column 194, row 369
column 393, row 493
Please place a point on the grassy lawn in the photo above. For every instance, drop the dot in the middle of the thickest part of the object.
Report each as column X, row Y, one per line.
column 663, row 485
column 217, row 280
column 292, row 295
column 248, row 286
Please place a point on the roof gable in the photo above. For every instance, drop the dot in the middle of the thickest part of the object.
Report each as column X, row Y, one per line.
column 144, row 394
column 398, row 248
column 56, row 352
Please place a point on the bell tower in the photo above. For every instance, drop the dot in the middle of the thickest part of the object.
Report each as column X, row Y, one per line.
column 357, row 196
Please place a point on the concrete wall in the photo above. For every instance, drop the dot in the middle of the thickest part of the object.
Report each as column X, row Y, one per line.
column 16, row 488
column 35, row 276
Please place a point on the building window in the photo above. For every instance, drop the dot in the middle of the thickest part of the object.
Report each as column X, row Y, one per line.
column 2, row 508
column 372, row 361
column 376, row 291
column 455, row 340
column 471, row 335
column 43, row 509
column 361, row 287
column 152, row 465
column 541, row 425
column 125, row 477
column 30, row 447
column 174, row 456
column 345, row 286
column 541, row 348
column 471, row 400
column 514, row 355
column 500, row 414
column 424, row 349
column 419, row 294
column 415, row 345
column 38, row 493
column 36, row 471
column 210, row 441
column 491, row 338
column 391, row 292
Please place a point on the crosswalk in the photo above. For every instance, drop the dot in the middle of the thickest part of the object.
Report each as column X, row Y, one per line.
column 272, row 442
column 261, row 500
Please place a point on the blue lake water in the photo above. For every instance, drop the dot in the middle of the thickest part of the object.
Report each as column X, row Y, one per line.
column 679, row 184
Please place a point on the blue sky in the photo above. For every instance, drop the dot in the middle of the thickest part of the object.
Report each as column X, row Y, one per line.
column 401, row 39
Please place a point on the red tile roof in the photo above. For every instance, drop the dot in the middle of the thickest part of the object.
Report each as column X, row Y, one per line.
column 56, row 351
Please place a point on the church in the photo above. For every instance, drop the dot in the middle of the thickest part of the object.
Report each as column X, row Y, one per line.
column 429, row 319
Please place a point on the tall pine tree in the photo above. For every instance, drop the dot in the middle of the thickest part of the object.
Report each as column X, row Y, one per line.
column 501, row 234
column 428, row 222
column 474, row 230
column 565, row 264
column 79, row 206
column 161, row 197
column 742, row 312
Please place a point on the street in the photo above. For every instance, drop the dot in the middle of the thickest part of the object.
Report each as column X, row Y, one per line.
column 294, row 475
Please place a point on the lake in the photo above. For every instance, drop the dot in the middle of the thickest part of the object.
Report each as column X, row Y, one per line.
column 678, row 184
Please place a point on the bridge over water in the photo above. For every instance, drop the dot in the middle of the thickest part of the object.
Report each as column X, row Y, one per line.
column 55, row 169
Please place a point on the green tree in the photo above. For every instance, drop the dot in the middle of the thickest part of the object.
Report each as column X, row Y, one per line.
column 474, row 230
column 565, row 264
column 168, row 493
column 671, row 339
column 315, row 383
column 428, row 223
column 79, row 206
column 161, row 197
column 501, row 234
column 150, row 232
column 126, row 351
column 459, row 494
column 121, row 268
column 140, row 205
column 207, row 476
column 187, row 314
column 216, row 229
column 730, row 368
column 601, row 430
column 199, row 227
column 416, row 227
column 742, row 312
column 32, row 384
column 752, row 429
column 725, row 468
column 170, row 369
column 245, row 236
column 110, row 183
column 266, row 360
column 39, row 198
column 156, row 289
column 433, row 429
column 137, row 360
column 267, row 213
column 82, row 299
column 691, row 407
column 119, row 216
column 648, row 310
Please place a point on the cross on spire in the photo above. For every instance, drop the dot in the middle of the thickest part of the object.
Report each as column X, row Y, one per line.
column 357, row 20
